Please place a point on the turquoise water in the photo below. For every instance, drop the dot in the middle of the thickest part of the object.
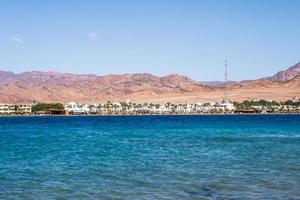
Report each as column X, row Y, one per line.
column 150, row 157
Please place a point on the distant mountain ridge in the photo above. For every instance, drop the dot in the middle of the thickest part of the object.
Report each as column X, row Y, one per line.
column 140, row 87
column 37, row 77
column 54, row 86
column 285, row 75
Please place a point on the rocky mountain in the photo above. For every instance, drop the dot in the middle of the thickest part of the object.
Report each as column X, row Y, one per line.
column 54, row 86
column 286, row 75
column 141, row 87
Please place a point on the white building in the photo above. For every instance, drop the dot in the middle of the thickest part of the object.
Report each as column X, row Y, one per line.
column 76, row 108
column 7, row 109
column 228, row 106
column 12, row 109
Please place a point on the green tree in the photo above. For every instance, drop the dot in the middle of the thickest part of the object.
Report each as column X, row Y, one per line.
column 45, row 106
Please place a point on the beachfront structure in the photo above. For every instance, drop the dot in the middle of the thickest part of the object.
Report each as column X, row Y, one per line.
column 7, row 109
column 228, row 106
column 15, row 109
column 133, row 108
column 74, row 108
column 109, row 107
column 77, row 109
column 23, row 109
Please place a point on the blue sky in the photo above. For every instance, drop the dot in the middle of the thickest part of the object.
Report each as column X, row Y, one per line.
column 189, row 37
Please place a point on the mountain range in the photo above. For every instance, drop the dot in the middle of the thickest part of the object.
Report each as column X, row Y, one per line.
column 38, row 86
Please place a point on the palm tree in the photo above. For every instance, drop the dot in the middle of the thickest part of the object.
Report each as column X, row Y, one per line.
column 168, row 104
column 91, row 106
column 99, row 108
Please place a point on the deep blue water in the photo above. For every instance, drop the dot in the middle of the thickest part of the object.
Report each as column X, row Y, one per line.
column 150, row 157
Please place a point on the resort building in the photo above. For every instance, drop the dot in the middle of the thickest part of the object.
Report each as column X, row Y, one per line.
column 77, row 109
column 23, row 109
column 13, row 109
column 7, row 109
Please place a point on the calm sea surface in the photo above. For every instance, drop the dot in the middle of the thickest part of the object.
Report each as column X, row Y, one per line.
column 150, row 157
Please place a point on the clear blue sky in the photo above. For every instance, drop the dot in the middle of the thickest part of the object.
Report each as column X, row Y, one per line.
column 189, row 37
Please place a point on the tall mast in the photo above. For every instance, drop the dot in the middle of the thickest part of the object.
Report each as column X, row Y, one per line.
column 225, row 82
column 226, row 78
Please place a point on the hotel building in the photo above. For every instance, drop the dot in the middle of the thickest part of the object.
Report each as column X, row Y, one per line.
column 12, row 109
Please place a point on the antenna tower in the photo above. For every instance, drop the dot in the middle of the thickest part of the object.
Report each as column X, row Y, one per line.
column 225, row 82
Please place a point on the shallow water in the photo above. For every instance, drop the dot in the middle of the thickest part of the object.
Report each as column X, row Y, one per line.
column 150, row 157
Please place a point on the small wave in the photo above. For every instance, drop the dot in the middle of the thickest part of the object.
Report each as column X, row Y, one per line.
column 274, row 136
column 253, row 138
column 206, row 192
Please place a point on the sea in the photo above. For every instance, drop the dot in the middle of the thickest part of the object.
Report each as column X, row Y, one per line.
column 150, row 157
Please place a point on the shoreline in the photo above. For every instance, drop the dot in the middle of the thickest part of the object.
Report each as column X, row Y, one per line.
column 124, row 115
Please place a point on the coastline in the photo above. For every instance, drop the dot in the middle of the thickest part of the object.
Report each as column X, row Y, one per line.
column 124, row 115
